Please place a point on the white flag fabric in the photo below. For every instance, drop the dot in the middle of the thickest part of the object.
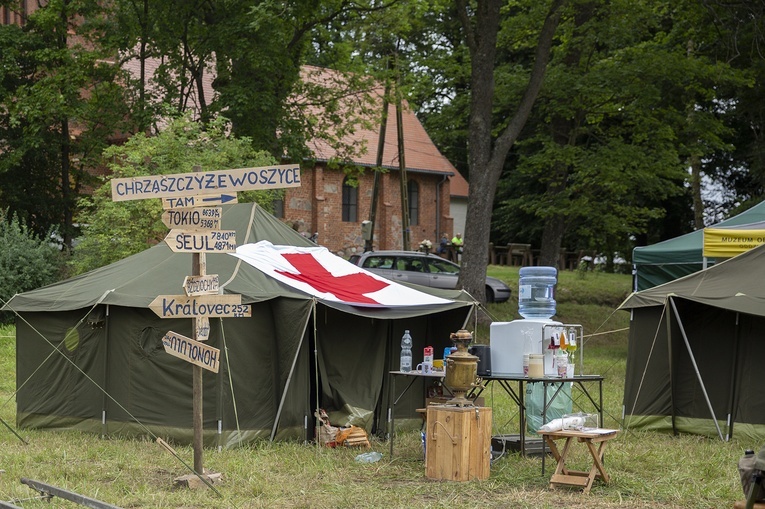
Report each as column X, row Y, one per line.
column 316, row 271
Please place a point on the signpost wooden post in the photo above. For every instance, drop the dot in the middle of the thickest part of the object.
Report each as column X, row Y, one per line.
column 190, row 201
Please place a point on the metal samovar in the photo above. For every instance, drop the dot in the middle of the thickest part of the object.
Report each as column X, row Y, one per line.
column 461, row 369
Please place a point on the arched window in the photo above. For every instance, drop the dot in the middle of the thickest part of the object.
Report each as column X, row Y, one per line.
column 414, row 202
column 350, row 202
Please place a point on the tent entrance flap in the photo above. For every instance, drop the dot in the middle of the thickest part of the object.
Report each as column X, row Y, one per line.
column 695, row 366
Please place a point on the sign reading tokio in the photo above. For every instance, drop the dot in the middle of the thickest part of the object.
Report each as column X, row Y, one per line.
column 207, row 218
column 213, row 241
column 206, row 182
column 211, row 306
column 192, row 351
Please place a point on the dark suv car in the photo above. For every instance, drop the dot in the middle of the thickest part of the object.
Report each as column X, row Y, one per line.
column 423, row 269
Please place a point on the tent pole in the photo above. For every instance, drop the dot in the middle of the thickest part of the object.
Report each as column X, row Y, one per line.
column 289, row 379
column 733, row 381
column 316, row 374
column 670, row 364
column 695, row 367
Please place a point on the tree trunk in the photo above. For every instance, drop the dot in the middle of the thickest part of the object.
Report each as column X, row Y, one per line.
column 486, row 162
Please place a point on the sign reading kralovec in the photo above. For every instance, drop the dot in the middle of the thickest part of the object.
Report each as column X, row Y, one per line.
column 192, row 351
column 206, row 182
column 212, row 306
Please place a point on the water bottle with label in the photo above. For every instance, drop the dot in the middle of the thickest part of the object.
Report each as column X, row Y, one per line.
column 406, row 352
column 536, row 291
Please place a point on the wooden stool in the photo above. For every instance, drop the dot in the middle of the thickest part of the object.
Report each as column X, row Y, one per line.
column 564, row 476
column 741, row 504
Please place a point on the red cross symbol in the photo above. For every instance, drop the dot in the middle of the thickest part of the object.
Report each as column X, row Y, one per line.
column 348, row 288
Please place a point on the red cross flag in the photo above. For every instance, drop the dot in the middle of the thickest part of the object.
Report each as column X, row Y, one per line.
column 316, row 271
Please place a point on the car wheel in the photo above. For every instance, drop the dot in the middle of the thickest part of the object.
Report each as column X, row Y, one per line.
column 489, row 294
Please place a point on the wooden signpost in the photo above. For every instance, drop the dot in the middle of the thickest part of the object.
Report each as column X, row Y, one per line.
column 200, row 200
column 206, row 182
column 212, row 241
column 201, row 285
column 211, row 306
column 192, row 351
column 203, row 218
column 190, row 201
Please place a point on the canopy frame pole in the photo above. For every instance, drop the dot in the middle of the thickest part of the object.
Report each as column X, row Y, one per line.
column 695, row 367
column 289, row 376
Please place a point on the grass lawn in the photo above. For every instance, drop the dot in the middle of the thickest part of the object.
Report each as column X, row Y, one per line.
column 647, row 469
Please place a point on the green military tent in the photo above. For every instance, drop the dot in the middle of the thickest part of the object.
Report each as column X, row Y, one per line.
column 668, row 260
column 90, row 355
column 695, row 354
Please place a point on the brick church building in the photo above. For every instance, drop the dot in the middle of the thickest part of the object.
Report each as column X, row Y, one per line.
column 331, row 204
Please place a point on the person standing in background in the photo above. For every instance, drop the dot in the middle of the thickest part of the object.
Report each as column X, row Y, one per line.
column 457, row 243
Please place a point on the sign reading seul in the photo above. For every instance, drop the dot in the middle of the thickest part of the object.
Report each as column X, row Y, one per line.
column 213, row 241
column 206, row 182
column 211, row 306
column 192, row 351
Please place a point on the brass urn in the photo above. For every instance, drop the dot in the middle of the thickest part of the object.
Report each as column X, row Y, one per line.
column 461, row 369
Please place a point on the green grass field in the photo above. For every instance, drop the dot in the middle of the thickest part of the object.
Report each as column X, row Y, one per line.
column 647, row 469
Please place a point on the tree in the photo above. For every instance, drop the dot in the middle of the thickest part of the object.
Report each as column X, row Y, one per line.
column 62, row 103
column 621, row 115
column 117, row 230
column 27, row 261
column 487, row 153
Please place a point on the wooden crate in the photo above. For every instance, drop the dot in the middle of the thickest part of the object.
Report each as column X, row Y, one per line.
column 457, row 442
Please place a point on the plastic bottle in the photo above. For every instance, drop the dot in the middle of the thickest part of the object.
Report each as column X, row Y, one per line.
column 406, row 352
column 536, row 292
column 369, row 457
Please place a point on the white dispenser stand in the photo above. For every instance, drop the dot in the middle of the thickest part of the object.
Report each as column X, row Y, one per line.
column 510, row 340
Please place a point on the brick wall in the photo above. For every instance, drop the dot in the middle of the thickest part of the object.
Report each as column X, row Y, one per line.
column 316, row 206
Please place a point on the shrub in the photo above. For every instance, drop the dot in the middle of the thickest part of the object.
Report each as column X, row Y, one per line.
column 26, row 261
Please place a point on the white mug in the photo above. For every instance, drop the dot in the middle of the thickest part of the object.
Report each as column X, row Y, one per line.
column 425, row 368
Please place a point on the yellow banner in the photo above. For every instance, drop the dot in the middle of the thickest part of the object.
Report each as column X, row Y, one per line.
column 726, row 243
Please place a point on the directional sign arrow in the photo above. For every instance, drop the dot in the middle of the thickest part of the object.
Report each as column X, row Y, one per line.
column 201, row 285
column 213, row 241
column 206, row 182
column 200, row 200
column 205, row 218
column 192, row 351
column 183, row 306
